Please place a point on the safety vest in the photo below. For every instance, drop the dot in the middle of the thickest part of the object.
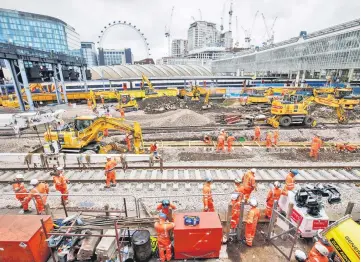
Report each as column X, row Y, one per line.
column 207, row 192
column 110, row 166
column 253, row 216
column 290, row 182
column 19, row 189
column 249, row 181
column 275, row 194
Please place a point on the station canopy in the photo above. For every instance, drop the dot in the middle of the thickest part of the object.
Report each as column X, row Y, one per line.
column 116, row 72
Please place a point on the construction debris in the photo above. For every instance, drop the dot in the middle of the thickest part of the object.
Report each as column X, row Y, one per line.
column 107, row 246
column 88, row 245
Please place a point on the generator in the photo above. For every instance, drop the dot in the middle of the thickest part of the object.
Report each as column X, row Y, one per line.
column 308, row 209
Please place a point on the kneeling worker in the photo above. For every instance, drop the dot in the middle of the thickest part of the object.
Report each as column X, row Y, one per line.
column 40, row 193
column 20, row 192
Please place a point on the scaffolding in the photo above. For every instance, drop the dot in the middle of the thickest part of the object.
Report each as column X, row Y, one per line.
column 336, row 47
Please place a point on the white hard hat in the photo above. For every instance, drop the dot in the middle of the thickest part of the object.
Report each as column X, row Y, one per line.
column 253, row 170
column 300, row 255
column 19, row 176
column 322, row 249
column 222, row 130
column 253, row 202
column 234, row 196
column 238, row 180
column 59, row 168
column 277, row 184
column 34, row 182
column 109, row 157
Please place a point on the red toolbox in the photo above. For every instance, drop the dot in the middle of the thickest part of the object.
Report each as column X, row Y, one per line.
column 22, row 238
column 201, row 241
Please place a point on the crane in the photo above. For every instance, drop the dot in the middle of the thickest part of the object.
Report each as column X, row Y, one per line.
column 167, row 32
column 200, row 14
column 248, row 33
column 223, row 10
column 236, row 44
column 269, row 32
column 230, row 16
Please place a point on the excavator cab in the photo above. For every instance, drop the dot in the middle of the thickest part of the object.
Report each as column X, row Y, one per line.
column 292, row 99
column 83, row 122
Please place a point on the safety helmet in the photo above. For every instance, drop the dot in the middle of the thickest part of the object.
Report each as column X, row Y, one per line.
column 60, row 168
column 294, row 171
column 238, row 180
column 19, row 176
column 277, row 184
column 322, row 249
column 209, row 179
column 253, row 202
column 222, row 130
column 165, row 203
column 300, row 256
column 162, row 215
column 109, row 157
column 34, row 182
column 253, row 170
column 234, row 196
column 230, row 134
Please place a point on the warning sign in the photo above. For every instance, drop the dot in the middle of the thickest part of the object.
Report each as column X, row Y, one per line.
column 297, row 217
column 319, row 224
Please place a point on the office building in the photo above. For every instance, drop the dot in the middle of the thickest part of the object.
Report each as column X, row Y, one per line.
column 38, row 31
column 89, row 53
column 115, row 56
column 202, row 34
column 179, row 47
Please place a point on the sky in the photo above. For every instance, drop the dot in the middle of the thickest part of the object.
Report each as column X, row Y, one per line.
column 89, row 17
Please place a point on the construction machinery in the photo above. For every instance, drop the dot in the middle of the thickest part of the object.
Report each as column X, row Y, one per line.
column 308, row 209
column 293, row 109
column 86, row 133
column 127, row 103
column 344, row 236
column 151, row 92
column 254, row 96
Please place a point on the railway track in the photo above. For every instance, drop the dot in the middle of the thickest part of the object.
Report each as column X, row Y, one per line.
column 189, row 175
column 197, row 129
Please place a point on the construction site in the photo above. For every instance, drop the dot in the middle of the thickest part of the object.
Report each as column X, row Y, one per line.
column 236, row 153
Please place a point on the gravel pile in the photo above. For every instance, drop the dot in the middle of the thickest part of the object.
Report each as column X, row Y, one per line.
column 160, row 104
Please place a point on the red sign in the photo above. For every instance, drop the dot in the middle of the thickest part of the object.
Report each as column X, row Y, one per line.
column 297, row 217
column 319, row 224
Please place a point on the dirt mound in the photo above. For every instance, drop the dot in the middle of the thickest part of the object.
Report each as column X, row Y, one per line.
column 324, row 112
column 160, row 104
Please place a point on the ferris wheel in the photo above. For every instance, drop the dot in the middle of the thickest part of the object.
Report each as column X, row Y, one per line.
column 105, row 31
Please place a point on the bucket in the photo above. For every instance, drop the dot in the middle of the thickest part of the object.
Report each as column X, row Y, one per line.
column 141, row 245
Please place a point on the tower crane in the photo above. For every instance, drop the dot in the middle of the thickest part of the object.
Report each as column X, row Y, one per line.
column 168, row 32
column 236, row 44
column 248, row 33
column 224, row 8
column 270, row 32
column 230, row 16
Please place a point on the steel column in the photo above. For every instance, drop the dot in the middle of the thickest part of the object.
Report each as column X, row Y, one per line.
column 55, row 81
column 26, row 84
column 17, row 87
column 84, row 78
column 61, row 78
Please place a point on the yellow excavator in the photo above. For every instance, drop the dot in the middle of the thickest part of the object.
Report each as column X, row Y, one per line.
column 86, row 133
column 125, row 100
column 293, row 109
column 150, row 92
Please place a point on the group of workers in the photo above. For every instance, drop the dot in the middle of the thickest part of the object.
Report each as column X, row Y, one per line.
column 222, row 139
column 243, row 189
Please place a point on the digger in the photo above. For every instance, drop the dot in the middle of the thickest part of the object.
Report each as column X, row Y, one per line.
column 86, row 133
column 293, row 109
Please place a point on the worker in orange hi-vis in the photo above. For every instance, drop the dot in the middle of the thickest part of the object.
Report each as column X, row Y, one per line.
column 257, row 134
column 220, row 143
column 239, row 188
column 318, row 253
column 110, row 172
column 251, row 222
column 165, row 208
column 276, row 135
column 273, row 195
column 163, row 228
column 21, row 192
column 154, row 150
column 290, row 182
column 40, row 193
column 122, row 113
column 268, row 140
column 127, row 139
column 230, row 140
column 61, row 183
column 315, row 147
column 236, row 208
column 208, row 205
column 249, row 183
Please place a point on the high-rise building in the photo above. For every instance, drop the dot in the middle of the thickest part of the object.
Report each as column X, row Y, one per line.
column 38, row 31
column 202, row 34
column 179, row 47
column 115, row 56
column 89, row 53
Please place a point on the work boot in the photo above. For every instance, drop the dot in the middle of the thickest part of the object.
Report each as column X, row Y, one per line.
column 106, row 186
column 27, row 211
column 113, row 185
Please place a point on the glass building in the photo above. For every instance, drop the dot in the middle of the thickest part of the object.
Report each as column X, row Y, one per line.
column 89, row 53
column 115, row 56
column 38, row 31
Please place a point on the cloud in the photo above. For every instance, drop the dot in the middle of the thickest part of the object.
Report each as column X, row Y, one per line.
column 88, row 17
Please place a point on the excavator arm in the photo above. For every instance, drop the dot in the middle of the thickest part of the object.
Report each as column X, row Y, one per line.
column 334, row 103
column 91, row 133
